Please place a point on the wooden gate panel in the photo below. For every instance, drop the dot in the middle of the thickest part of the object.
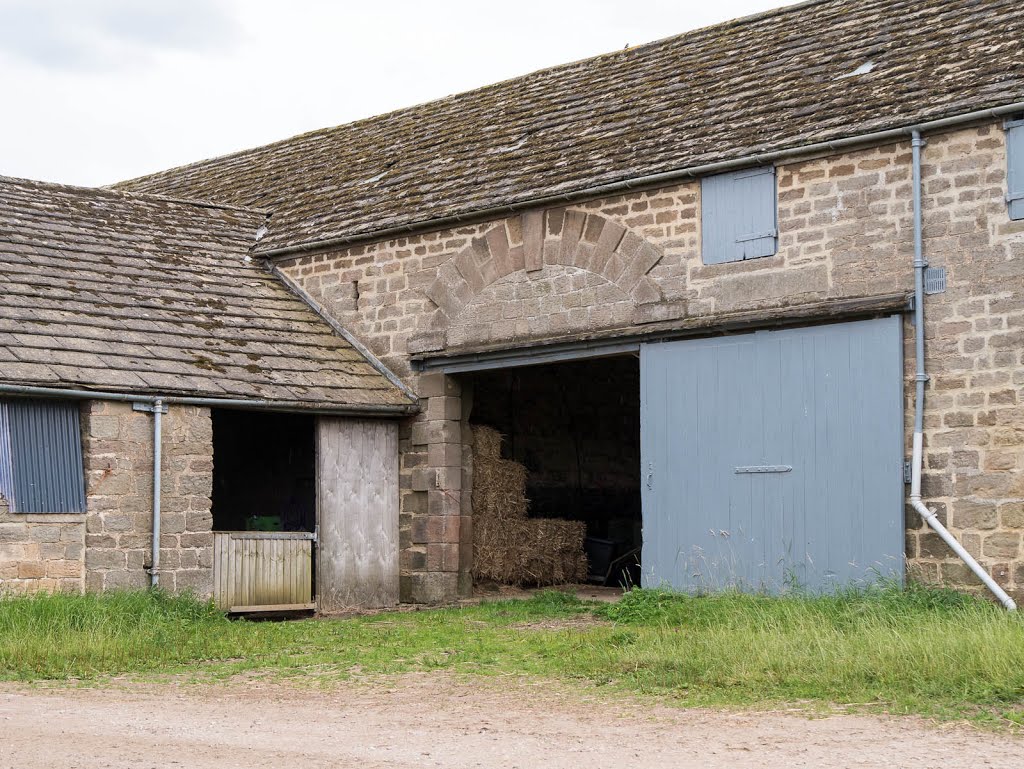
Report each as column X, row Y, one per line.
column 774, row 459
column 263, row 570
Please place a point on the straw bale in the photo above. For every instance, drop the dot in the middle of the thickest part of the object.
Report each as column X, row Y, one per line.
column 534, row 552
column 499, row 488
column 508, row 547
column 486, row 442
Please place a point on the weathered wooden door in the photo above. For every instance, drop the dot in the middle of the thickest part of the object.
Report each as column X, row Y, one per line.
column 774, row 458
column 357, row 510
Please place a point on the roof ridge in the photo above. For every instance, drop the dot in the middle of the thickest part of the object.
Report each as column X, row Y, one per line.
column 782, row 78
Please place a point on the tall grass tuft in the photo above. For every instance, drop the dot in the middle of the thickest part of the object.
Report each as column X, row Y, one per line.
column 913, row 649
column 61, row 635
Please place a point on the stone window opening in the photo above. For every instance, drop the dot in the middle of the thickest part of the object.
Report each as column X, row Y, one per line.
column 1015, row 166
column 41, row 469
column 738, row 215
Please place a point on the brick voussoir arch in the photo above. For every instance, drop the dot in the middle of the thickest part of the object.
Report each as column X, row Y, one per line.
column 568, row 237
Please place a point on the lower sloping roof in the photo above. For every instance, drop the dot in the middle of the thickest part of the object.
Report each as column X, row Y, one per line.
column 144, row 294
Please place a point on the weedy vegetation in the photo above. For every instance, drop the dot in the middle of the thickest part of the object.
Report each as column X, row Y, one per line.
column 890, row 649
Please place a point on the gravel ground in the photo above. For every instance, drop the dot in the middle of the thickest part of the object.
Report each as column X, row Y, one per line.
column 435, row 720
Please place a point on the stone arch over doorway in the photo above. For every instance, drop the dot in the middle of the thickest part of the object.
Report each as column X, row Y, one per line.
column 550, row 246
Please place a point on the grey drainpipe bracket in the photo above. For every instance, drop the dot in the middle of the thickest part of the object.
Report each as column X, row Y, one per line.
column 149, row 407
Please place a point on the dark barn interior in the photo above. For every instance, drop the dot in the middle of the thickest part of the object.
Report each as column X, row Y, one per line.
column 575, row 426
column 264, row 471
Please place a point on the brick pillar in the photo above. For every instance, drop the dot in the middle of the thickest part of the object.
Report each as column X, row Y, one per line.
column 431, row 512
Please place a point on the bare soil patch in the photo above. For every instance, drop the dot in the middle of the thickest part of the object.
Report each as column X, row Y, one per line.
column 580, row 622
column 435, row 720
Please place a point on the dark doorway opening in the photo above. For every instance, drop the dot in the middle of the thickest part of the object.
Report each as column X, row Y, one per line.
column 575, row 426
column 264, row 471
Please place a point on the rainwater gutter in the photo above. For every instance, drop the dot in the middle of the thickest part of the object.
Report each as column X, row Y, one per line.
column 648, row 181
column 920, row 378
column 158, row 404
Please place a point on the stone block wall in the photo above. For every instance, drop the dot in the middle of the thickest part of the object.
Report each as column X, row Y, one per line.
column 118, row 454
column 41, row 551
column 632, row 263
column 435, row 531
column 974, row 417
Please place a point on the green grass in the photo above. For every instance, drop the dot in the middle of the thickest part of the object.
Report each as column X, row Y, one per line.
column 918, row 650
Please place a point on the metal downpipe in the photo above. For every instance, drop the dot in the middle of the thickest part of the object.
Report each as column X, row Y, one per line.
column 154, row 571
column 920, row 378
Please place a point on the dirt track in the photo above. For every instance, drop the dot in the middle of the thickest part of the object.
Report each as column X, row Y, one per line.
column 434, row 721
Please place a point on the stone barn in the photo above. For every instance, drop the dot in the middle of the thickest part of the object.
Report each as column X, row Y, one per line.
column 747, row 302
column 134, row 321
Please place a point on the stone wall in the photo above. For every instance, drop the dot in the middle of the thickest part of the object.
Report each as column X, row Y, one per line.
column 632, row 262
column 118, row 453
column 41, row 551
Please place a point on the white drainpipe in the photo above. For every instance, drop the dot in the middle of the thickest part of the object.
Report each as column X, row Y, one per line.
column 921, row 377
column 154, row 572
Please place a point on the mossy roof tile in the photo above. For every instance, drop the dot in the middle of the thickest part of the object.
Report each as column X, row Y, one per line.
column 143, row 293
column 772, row 81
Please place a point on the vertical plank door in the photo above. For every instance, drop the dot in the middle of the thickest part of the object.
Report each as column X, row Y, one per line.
column 357, row 509
column 774, row 460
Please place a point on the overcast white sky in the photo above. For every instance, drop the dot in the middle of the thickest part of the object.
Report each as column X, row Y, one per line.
column 94, row 91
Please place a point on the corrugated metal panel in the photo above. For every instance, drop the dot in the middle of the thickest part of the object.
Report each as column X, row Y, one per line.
column 774, row 458
column 1015, row 167
column 738, row 215
column 262, row 570
column 46, row 452
column 6, row 471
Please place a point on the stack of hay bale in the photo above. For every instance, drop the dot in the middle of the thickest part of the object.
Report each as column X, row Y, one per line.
column 509, row 547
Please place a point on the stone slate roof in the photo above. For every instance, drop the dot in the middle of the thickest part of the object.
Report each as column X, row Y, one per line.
column 130, row 293
column 758, row 84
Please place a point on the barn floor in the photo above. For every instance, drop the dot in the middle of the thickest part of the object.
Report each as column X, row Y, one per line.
column 434, row 720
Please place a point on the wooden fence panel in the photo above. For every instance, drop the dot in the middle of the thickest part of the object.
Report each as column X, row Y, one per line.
column 263, row 570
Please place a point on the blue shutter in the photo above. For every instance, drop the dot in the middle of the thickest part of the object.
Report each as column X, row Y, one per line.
column 738, row 215
column 1015, row 167
column 41, row 447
